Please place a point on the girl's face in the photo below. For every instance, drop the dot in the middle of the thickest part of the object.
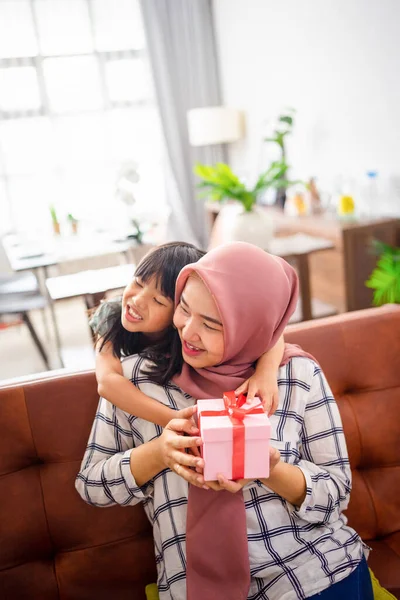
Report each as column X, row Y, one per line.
column 145, row 309
column 199, row 326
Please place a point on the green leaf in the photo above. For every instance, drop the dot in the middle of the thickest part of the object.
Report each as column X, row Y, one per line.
column 286, row 119
column 217, row 195
column 199, row 170
column 53, row 213
column 220, row 183
column 278, row 138
column 272, row 177
column 385, row 278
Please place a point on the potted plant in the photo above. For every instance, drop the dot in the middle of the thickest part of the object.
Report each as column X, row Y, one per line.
column 73, row 222
column 385, row 278
column 247, row 222
column 54, row 219
column 281, row 130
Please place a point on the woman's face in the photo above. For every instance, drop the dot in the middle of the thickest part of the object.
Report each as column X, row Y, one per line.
column 145, row 309
column 199, row 326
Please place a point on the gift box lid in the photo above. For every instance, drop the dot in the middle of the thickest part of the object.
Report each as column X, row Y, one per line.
column 219, row 428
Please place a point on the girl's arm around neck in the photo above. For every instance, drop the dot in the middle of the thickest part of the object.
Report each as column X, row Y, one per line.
column 271, row 360
column 264, row 382
column 114, row 387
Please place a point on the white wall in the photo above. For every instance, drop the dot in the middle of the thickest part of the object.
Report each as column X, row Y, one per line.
column 336, row 61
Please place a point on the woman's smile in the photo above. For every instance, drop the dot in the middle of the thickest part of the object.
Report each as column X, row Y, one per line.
column 190, row 349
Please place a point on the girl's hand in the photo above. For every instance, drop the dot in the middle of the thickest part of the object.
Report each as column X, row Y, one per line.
column 265, row 387
column 235, row 486
column 173, row 444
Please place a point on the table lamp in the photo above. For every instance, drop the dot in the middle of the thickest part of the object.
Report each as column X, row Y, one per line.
column 214, row 125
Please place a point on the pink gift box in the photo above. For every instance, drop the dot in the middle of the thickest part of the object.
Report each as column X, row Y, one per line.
column 221, row 446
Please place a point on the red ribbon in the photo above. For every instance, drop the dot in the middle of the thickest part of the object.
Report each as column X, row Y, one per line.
column 233, row 410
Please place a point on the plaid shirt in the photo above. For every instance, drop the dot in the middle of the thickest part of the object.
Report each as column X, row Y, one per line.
column 295, row 552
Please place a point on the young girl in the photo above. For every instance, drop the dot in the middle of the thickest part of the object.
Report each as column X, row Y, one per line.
column 142, row 324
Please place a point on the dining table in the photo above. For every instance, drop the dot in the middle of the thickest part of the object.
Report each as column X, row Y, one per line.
column 38, row 253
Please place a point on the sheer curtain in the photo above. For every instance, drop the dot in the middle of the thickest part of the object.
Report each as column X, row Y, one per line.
column 182, row 50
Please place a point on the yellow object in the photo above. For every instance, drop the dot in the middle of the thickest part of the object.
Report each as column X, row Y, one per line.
column 379, row 592
column 298, row 201
column 152, row 592
column 346, row 205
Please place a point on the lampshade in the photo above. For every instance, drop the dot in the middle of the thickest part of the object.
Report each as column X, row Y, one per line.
column 214, row 125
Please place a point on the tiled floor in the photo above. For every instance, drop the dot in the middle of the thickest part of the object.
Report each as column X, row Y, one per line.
column 19, row 355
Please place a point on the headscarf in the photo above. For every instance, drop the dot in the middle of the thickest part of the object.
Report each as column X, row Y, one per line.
column 256, row 294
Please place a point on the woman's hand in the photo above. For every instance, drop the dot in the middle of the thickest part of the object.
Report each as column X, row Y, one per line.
column 173, row 444
column 186, row 413
column 226, row 484
column 180, row 414
column 235, row 486
column 264, row 386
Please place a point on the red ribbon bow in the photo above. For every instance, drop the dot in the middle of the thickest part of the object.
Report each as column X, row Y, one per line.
column 235, row 411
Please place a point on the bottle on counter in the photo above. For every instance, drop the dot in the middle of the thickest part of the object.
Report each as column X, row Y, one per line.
column 296, row 205
column 345, row 205
column 369, row 200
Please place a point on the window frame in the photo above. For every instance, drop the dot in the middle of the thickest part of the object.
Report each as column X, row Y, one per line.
column 45, row 110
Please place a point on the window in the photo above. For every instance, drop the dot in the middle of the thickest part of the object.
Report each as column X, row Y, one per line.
column 76, row 107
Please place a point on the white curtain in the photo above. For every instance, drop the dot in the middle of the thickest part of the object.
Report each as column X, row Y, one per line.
column 181, row 43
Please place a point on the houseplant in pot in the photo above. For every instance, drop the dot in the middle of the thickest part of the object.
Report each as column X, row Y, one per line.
column 54, row 219
column 73, row 222
column 281, row 129
column 243, row 219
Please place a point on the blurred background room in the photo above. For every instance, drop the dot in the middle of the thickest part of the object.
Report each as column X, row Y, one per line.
column 124, row 124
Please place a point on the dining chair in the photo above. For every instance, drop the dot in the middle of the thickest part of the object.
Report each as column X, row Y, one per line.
column 19, row 294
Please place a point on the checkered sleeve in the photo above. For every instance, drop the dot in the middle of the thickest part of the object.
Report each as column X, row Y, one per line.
column 324, row 459
column 105, row 476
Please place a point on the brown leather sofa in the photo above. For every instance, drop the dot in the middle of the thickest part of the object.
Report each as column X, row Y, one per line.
column 53, row 545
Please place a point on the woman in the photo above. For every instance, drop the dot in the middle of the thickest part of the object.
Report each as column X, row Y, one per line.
column 288, row 533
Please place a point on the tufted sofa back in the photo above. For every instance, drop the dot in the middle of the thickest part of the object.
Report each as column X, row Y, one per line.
column 53, row 545
column 360, row 355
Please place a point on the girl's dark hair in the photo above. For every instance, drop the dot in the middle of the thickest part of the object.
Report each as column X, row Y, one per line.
column 164, row 263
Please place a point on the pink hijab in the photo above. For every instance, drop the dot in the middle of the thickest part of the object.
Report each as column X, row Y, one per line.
column 256, row 294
